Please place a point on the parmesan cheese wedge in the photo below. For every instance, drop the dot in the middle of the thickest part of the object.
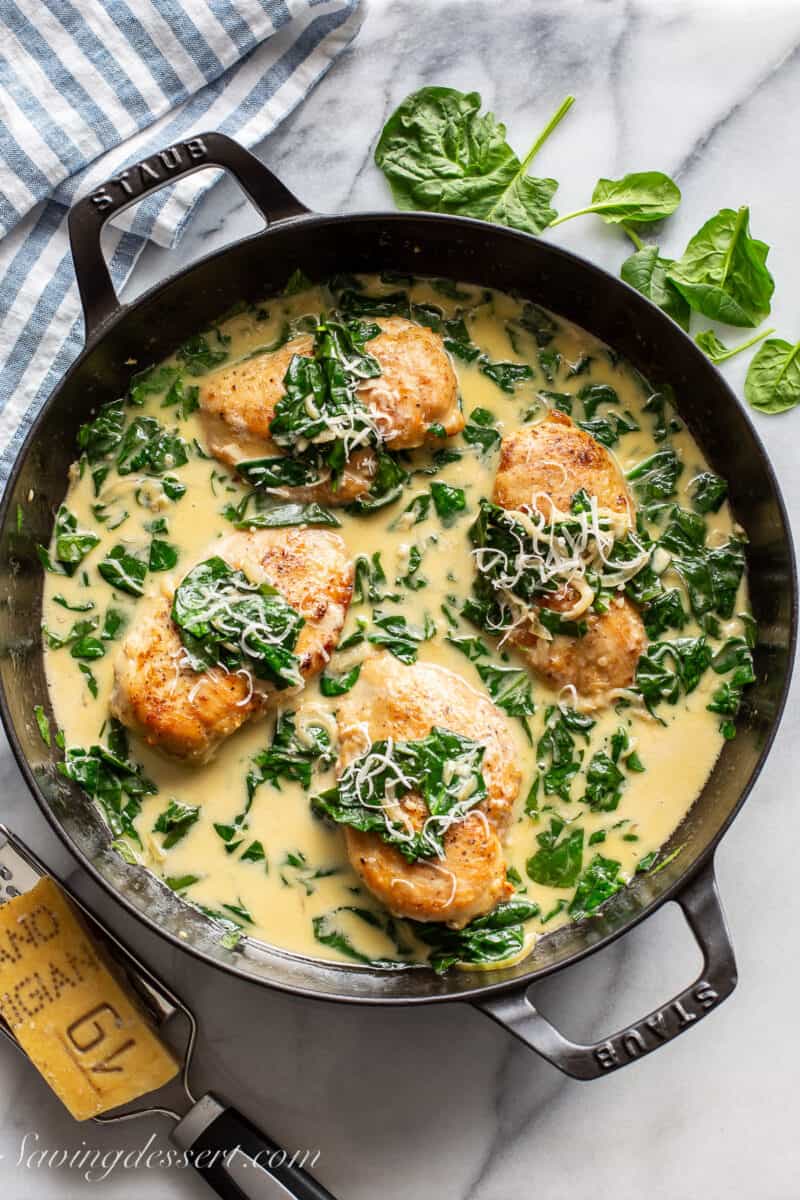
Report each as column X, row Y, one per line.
column 61, row 998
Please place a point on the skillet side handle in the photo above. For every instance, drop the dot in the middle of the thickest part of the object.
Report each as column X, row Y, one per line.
column 703, row 910
column 88, row 216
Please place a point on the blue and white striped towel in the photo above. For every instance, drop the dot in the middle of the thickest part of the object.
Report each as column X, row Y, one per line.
column 88, row 87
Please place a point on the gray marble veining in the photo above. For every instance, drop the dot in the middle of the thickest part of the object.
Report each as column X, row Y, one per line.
column 441, row 1102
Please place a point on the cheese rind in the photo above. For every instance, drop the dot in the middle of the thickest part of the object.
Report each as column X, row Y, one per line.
column 60, row 996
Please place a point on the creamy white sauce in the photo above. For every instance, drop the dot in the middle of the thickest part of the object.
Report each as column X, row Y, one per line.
column 281, row 898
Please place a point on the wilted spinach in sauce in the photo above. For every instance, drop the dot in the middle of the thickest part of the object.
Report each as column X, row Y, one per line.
column 439, row 569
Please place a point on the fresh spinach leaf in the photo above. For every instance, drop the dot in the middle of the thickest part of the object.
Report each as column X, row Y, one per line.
column 646, row 271
column 723, row 273
column 641, row 196
column 773, row 377
column 439, row 154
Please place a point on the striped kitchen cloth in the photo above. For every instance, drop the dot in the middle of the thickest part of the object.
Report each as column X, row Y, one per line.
column 88, row 87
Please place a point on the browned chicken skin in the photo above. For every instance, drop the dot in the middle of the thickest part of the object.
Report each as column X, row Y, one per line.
column 405, row 703
column 603, row 659
column 550, row 461
column 418, row 388
column 189, row 714
column 555, row 459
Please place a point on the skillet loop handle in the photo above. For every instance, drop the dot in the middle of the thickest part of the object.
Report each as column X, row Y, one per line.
column 238, row 1161
column 703, row 911
column 88, row 216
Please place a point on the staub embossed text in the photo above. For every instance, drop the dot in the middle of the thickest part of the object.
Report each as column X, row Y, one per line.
column 149, row 173
column 659, row 1027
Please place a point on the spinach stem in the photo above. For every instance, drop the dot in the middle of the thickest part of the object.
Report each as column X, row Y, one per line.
column 793, row 353
column 741, row 217
column 757, row 337
column 633, row 235
column 555, row 120
column 579, row 212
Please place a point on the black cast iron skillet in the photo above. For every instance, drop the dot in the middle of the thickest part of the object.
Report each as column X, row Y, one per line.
column 461, row 249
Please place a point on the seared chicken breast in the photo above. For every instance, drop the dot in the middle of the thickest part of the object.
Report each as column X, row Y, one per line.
column 406, row 703
column 598, row 663
column 549, row 462
column 417, row 389
column 542, row 467
column 187, row 713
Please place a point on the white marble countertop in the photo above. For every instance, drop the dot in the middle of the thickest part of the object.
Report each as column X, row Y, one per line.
column 442, row 1102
